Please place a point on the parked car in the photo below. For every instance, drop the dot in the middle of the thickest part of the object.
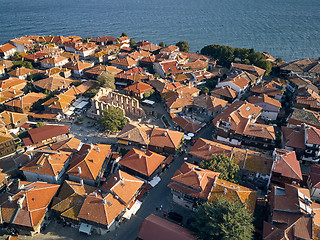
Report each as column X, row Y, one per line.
column 175, row 216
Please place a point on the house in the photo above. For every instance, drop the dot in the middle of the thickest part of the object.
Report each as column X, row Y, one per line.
column 305, row 116
column 12, row 120
column 22, row 44
column 304, row 140
column 7, row 142
column 67, row 204
column 69, row 145
column 309, row 100
column 59, row 104
column 286, row 168
column 78, row 68
column 196, row 65
column 139, row 90
column 145, row 165
column 83, row 49
column 46, row 166
column 9, row 94
column 176, row 103
column 53, row 83
column 308, row 68
column 225, row 93
column 137, row 136
column 167, row 68
column 313, row 182
column 89, row 163
column 169, row 49
column 209, row 105
column 37, row 56
column 297, row 82
column 239, row 83
column 195, row 56
column 46, row 134
column 51, row 62
column 13, row 83
column 150, row 47
column 191, row 185
column 56, row 72
column 258, row 72
column 106, row 97
column 104, row 40
column 7, row 50
column 124, row 63
column 272, row 89
column 270, row 106
column 293, row 215
column 158, row 228
column 2, row 71
column 98, row 70
column 186, row 125
column 25, row 103
column 21, row 73
column 103, row 209
column 24, row 205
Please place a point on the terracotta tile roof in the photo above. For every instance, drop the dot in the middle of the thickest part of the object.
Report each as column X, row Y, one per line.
column 225, row 91
column 170, row 67
column 143, row 162
column 204, row 149
column 240, row 80
column 298, row 66
column 179, row 101
column 311, row 99
column 70, row 199
column 101, row 209
column 60, row 39
column 157, row 228
column 123, row 185
column 264, row 99
column 139, row 88
column 54, row 60
column 186, row 124
column 34, row 199
column 266, row 87
column 249, row 68
column 104, row 39
column 150, row 47
column 69, row 145
column 312, row 135
column 293, row 137
column 4, row 134
column 6, row 63
column 36, row 55
column 6, row 47
column 234, row 192
column 127, row 61
column 165, row 138
column 163, row 86
column 13, row 118
column 11, row 83
column 257, row 162
column 210, row 103
column 99, row 69
column 138, row 134
column 26, row 100
column 46, row 132
column 194, row 181
column 61, row 101
column 195, row 56
column 78, row 65
column 20, row 72
column 87, row 163
column 53, row 83
column 47, row 163
column 44, row 115
column 135, row 76
column 9, row 94
column 286, row 164
column 198, row 64
column 259, row 130
column 315, row 175
column 170, row 48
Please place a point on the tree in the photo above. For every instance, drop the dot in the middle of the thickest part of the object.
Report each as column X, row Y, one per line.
column 113, row 119
column 124, row 34
column 222, row 219
column 40, row 124
column 204, row 89
column 227, row 168
column 106, row 80
column 183, row 46
column 18, row 64
column 133, row 43
column 279, row 60
column 90, row 93
column 161, row 44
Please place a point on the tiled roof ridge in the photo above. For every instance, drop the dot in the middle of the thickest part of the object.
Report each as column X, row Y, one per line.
column 290, row 166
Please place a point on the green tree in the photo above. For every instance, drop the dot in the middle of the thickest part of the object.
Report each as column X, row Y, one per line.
column 266, row 65
column 183, row 46
column 133, row 43
column 223, row 220
column 227, row 168
column 18, row 64
column 76, row 83
column 279, row 60
column 161, row 44
column 204, row 89
column 106, row 80
column 90, row 93
column 124, row 34
column 40, row 124
column 113, row 119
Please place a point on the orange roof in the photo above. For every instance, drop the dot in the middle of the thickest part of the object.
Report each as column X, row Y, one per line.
column 47, row 163
column 264, row 99
column 6, row 47
column 87, row 163
column 12, row 83
column 101, row 209
column 139, row 88
column 47, row 131
column 170, row 48
column 20, row 72
column 293, row 137
column 179, row 101
column 170, row 67
column 198, row 64
column 186, row 124
column 259, row 130
column 69, row 145
column 139, row 134
column 123, row 185
column 26, row 100
column 99, row 69
column 210, row 103
column 286, row 164
column 7, row 117
column 9, row 94
column 54, row 60
column 225, row 91
column 36, row 55
column 78, row 65
column 240, row 80
column 126, row 61
column 60, row 101
column 165, row 138
column 194, row 181
column 249, row 68
column 53, row 83
column 34, row 199
column 143, row 162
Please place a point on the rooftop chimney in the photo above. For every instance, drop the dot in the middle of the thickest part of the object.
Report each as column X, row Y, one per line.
column 81, row 182
column 79, row 170
column 10, row 199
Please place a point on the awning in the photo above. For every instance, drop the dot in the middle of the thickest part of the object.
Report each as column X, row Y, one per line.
column 69, row 113
column 148, row 102
column 85, row 228
column 81, row 105
column 123, row 142
column 155, row 181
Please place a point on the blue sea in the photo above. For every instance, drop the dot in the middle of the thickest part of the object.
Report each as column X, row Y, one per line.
column 289, row 29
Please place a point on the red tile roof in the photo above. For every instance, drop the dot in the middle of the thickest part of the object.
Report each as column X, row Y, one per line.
column 264, row 99
column 6, row 47
column 165, row 138
column 139, row 88
column 225, row 91
column 249, row 68
column 46, row 132
column 293, row 137
column 170, row 67
column 186, row 124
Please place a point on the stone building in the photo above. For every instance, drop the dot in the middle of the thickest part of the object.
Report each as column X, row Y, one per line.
column 106, row 97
